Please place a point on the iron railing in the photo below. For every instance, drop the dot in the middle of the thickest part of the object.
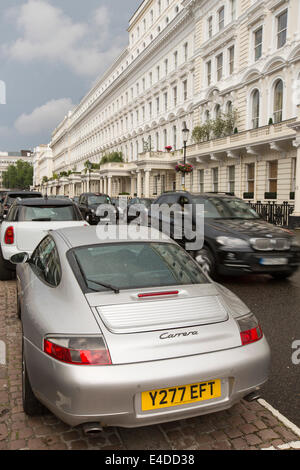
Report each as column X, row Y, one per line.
column 277, row 214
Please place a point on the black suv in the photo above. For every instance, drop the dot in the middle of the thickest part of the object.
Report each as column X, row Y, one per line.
column 88, row 204
column 236, row 239
column 11, row 196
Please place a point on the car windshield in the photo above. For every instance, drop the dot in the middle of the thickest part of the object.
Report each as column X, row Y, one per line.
column 98, row 200
column 47, row 213
column 137, row 265
column 226, row 208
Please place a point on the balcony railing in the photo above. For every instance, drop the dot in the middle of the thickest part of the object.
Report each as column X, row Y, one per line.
column 245, row 138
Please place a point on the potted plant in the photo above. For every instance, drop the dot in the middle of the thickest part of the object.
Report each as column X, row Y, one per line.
column 184, row 168
column 168, row 148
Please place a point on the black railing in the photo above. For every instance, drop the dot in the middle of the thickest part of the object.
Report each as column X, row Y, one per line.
column 277, row 214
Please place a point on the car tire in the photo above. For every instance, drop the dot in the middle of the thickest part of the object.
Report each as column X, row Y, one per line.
column 207, row 261
column 5, row 274
column 281, row 276
column 31, row 405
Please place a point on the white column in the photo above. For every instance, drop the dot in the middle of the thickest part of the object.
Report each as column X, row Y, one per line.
column 139, row 183
column 147, row 183
column 109, row 185
column 296, row 212
column 132, row 185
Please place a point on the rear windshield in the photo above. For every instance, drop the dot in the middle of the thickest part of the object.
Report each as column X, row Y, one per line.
column 47, row 213
column 226, row 208
column 12, row 197
column 137, row 265
column 99, row 200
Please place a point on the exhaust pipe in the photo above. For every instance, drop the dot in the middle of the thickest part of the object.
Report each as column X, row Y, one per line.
column 92, row 429
column 252, row 396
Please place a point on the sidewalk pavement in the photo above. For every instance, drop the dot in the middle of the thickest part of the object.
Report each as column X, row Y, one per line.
column 245, row 426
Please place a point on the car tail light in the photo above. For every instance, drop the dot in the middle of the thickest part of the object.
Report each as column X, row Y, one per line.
column 9, row 236
column 250, row 329
column 89, row 350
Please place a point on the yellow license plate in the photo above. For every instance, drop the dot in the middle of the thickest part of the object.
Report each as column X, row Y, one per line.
column 182, row 395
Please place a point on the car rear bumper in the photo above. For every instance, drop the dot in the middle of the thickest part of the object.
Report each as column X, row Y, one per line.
column 111, row 395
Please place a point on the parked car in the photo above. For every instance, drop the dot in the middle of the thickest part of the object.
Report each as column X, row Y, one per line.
column 75, row 199
column 129, row 333
column 236, row 240
column 10, row 197
column 90, row 202
column 142, row 203
column 27, row 223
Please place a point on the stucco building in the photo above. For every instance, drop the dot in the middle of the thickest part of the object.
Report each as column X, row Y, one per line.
column 192, row 62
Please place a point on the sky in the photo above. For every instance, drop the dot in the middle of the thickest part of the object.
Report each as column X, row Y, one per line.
column 51, row 53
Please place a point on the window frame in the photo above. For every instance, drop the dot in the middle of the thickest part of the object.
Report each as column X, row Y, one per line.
column 37, row 271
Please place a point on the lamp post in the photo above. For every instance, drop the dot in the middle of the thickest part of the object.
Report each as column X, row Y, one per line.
column 185, row 137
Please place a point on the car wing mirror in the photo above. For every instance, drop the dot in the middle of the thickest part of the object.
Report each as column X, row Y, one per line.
column 20, row 258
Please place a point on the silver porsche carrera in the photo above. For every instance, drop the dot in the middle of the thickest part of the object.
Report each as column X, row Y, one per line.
column 130, row 332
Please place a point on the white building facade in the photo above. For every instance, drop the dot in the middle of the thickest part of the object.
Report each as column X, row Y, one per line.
column 192, row 62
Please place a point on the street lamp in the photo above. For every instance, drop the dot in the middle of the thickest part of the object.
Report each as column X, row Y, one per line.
column 185, row 137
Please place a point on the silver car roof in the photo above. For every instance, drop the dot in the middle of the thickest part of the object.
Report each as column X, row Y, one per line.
column 95, row 235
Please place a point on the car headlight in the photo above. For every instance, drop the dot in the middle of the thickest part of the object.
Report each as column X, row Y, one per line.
column 230, row 242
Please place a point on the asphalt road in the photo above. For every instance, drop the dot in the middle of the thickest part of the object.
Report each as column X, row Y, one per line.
column 277, row 305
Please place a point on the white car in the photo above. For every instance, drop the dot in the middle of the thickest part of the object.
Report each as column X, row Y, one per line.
column 27, row 223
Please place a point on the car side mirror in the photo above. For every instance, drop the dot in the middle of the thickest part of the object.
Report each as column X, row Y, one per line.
column 20, row 258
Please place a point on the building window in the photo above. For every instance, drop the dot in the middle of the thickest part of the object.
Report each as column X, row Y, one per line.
column 255, row 109
column 157, row 141
column 150, row 78
column 273, row 173
column 278, row 101
column 219, row 67
column 166, row 67
column 221, row 18
column 165, row 137
column 233, row 9
column 175, row 95
column 217, row 111
column 231, row 60
column 215, row 180
column 201, row 180
column 166, row 101
column 208, row 72
column 158, row 72
column 157, row 105
column 175, row 60
column 210, row 27
column 174, row 137
column 281, row 29
column 258, row 38
column 250, row 177
column 185, row 90
column 185, row 51
column 231, row 179
column 150, row 109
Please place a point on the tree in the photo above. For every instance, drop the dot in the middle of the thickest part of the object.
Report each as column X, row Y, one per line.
column 18, row 176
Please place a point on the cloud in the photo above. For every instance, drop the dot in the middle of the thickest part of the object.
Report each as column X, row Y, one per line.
column 47, row 33
column 44, row 118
